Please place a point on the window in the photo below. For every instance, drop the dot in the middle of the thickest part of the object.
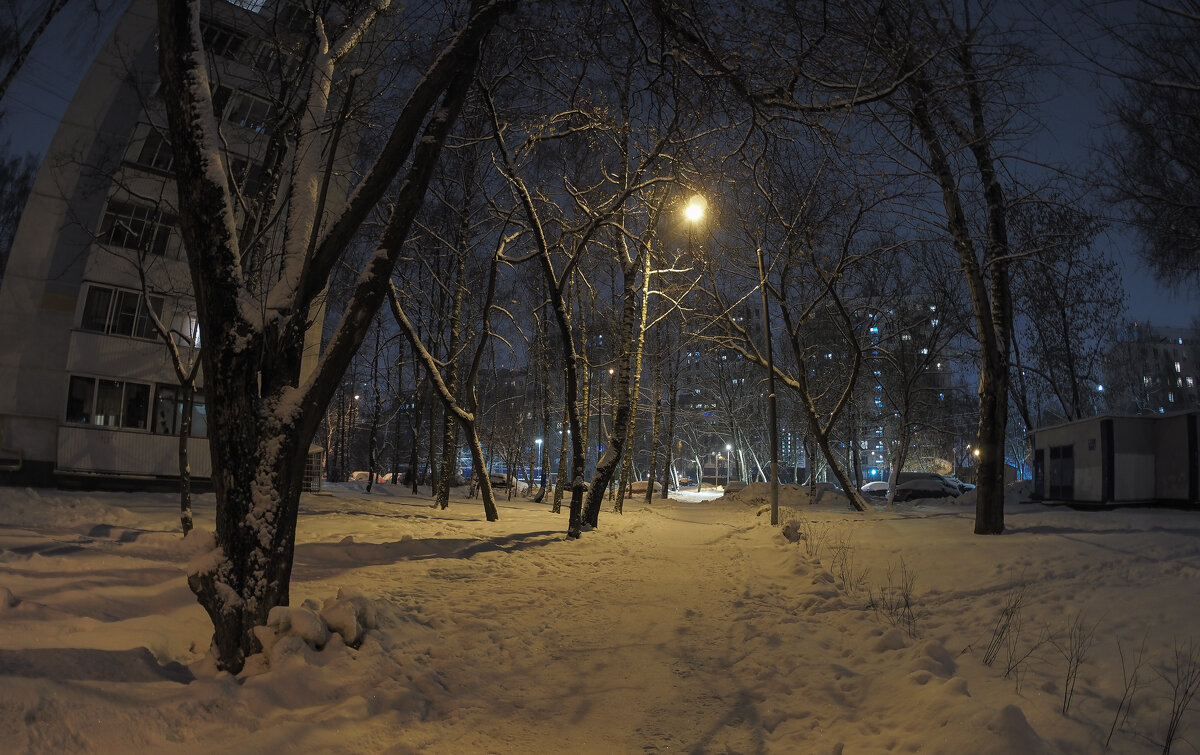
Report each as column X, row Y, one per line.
column 241, row 109
column 149, row 149
column 1178, row 367
column 185, row 327
column 168, row 412
column 1171, row 398
column 107, row 403
column 119, row 312
column 1191, row 382
column 132, row 226
column 223, row 42
column 254, row 6
column 247, row 174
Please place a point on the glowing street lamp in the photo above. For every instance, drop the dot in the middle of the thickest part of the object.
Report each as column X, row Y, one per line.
column 694, row 210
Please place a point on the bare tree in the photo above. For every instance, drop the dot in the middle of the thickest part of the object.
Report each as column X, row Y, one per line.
column 1069, row 302
column 262, row 413
column 1151, row 155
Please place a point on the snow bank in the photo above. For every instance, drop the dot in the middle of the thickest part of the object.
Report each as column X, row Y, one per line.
column 681, row 625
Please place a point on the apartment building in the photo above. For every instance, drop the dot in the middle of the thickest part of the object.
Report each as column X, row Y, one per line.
column 87, row 386
column 1153, row 370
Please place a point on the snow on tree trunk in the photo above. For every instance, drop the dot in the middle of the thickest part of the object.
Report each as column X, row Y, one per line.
column 261, row 417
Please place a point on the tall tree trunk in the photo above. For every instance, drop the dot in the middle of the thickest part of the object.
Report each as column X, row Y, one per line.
column 607, row 465
column 654, row 422
column 449, row 427
column 185, row 467
column 398, row 426
column 669, row 445
column 376, row 410
column 636, row 386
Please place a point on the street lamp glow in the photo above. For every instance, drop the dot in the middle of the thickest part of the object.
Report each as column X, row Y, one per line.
column 694, row 211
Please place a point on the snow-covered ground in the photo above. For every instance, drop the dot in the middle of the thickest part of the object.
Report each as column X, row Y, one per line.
column 687, row 625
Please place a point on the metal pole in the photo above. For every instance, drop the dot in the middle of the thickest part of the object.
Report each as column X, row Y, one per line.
column 771, row 421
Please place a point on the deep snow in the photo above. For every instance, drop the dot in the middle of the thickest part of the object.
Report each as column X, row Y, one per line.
column 687, row 625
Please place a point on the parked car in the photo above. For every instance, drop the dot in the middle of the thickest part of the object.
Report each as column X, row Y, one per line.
column 910, row 476
column 639, row 486
column 876, row 489
column 929, row 487
column 962, row 486
column 498, row 480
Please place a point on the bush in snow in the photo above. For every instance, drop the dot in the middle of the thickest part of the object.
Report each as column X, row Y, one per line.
column 350, row 614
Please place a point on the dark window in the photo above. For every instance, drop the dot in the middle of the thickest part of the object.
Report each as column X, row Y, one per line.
column 132, row 226
column 79, row 399
column 247, row 174
column 120, row 312
column 222, row 42
column 143, row 326
column 107, row 403
column 249, row 111
column 137, row 401
column 154, row 152
column 125, row 313
column 95, row 309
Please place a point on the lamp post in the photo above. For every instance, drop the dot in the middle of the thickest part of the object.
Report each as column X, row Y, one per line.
column 772, row 424
column 541, row 465
column 728, row 460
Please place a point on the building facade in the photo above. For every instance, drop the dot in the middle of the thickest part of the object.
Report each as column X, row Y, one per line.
column 87, row 384
column 1153, row 370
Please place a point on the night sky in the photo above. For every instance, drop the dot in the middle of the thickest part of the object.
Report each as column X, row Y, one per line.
column 38, row 97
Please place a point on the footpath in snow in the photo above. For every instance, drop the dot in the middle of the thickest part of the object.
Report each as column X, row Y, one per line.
column 687, row 625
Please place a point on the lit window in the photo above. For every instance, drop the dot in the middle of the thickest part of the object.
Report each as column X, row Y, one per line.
column 1191, row 382
column 1171, row 398
column 924, row 351
column 906, row 337
column 933, row 322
